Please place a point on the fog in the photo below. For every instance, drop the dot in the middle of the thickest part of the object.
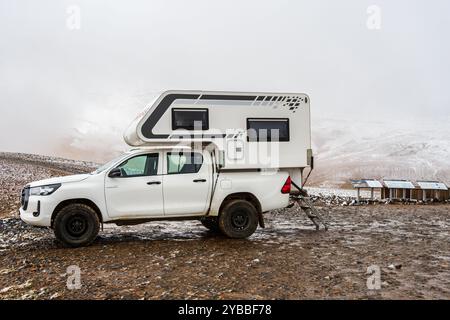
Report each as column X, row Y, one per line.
column 70, row 84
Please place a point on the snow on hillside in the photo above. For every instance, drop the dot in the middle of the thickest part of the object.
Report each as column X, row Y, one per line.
column 410, row 149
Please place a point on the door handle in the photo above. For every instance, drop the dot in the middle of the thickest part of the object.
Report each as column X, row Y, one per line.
column 154, row 182
column 199, row 180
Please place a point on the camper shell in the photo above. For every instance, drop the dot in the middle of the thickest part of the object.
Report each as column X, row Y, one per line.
column 249, row 130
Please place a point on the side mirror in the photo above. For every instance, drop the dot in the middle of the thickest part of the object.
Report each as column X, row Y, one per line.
column 114, row 173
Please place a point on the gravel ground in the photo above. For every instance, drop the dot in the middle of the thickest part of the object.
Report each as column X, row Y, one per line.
column 17, row 169
column 286, row 260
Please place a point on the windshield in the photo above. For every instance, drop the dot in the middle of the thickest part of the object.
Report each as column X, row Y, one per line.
column 108, row 164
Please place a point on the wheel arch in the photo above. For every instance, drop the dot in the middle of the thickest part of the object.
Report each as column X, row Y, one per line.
column 247, row 196
column 84, row 201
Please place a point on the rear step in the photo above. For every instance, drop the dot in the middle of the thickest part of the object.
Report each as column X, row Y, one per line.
column 305, row 203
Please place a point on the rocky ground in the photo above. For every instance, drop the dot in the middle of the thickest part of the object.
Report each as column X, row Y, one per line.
column 286, row 260
column 17, row 169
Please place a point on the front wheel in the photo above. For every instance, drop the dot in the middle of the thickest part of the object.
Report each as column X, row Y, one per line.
column 76, row 225
column 238, row 219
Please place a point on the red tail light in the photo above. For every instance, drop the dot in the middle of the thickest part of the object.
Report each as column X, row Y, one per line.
column 287, row 186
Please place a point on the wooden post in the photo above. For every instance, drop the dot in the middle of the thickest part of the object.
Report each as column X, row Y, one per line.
column 358, row 194
column 371, row 193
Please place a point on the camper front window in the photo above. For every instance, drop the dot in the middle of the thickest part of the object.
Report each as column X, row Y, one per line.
column 190, row 119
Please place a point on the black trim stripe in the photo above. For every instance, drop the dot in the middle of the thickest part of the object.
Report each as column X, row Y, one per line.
column 242, row 170
column 167, row 101
column 162, row 107
column 197, row 136
column 227, row 97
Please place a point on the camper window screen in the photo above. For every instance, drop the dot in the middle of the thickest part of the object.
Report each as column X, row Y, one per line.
column 267, row 129
column 190, row 119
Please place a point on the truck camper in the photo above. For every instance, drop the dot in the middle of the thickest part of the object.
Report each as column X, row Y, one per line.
column 223, row 158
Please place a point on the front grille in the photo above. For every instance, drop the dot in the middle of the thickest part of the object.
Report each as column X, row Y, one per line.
column 24, row 197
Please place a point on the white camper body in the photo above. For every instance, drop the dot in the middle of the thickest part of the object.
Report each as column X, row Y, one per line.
column 261, row 130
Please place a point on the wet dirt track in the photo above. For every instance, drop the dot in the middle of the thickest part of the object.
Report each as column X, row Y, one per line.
column 287, row 260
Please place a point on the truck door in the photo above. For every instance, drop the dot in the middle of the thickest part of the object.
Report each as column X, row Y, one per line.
column 137, row 192
column 186, row 184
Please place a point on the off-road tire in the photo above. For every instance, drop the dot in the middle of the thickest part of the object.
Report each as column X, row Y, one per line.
column 76, row 225
column 238, row 219
column 211, row 223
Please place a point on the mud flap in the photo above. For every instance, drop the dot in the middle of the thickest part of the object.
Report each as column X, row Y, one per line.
column 261, row 220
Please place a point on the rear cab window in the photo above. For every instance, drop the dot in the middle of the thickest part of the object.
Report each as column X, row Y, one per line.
column 184, row 162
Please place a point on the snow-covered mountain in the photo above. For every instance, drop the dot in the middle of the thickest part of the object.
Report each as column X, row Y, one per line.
column 392, row 148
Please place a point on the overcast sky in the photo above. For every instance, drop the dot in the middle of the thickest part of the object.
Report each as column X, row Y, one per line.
column 65, row 87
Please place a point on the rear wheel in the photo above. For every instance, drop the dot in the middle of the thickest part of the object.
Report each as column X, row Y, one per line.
column 210, row 223
column 238, row 219
column 76, row 225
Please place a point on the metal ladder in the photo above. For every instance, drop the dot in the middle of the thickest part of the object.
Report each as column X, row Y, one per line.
column 305, row 203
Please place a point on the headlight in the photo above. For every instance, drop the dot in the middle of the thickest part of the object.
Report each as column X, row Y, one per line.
column 44, row 190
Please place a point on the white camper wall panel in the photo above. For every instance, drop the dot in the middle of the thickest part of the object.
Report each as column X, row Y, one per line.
column 229, row 117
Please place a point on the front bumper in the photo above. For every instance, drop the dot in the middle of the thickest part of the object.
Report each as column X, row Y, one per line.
column 38, row 211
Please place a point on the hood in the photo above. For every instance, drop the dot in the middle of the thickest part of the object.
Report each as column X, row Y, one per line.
column 65, row 179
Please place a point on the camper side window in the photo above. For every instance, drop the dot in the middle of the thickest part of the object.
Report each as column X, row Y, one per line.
column 262, row 129
column 190, row 119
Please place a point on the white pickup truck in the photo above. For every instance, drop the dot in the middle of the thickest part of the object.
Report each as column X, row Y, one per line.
column 154, row 183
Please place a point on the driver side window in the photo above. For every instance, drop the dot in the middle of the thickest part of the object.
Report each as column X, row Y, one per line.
column 142, row 165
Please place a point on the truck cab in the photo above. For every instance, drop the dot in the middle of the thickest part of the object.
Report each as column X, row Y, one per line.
column 154, row 183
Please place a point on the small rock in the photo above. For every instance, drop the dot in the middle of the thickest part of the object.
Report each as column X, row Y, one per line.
column 6, row 289
column 396, row 266
column 55, row 295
